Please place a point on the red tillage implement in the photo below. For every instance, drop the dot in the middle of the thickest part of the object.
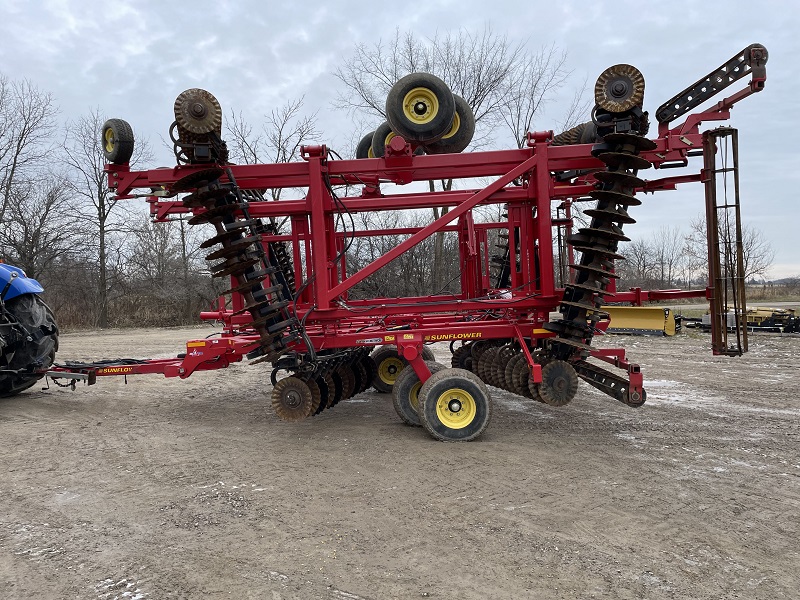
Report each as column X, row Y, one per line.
column 292, row 300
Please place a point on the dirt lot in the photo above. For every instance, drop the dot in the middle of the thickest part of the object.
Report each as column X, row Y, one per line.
column 193, row 489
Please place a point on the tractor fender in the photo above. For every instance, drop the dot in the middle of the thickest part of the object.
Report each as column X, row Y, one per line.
column 14, row 282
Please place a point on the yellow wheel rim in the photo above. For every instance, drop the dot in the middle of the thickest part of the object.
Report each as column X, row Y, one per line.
column 389, row 137
column 413, row 396
column 456, row 408
column 370, row 153
column 420, row 105
column 454, row 128
column 108, row 135
column 389, row 369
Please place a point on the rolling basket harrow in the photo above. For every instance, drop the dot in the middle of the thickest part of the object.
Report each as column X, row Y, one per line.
column 509, row 325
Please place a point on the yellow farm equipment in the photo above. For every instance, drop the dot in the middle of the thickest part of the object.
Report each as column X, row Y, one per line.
column 642, row 320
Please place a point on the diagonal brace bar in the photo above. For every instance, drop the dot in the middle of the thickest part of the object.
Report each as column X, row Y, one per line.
column 438, row 224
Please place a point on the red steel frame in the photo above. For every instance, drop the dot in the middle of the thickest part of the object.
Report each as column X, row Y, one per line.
column 522, row 181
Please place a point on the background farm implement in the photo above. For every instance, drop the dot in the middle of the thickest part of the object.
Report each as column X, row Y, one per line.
column 513, row 322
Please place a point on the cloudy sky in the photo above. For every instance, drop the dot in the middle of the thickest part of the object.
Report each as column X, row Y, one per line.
column 132, row 58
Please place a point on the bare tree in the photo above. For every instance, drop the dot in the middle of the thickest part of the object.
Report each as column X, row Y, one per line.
column 164, row 266
column 476, row 66
column 639, row 265
column 410, row 274
column 667, row 252
column 27, row 125
column 278, row 140
column 41, row 225
column 85, row 160
column 500, row 81
column 758, row 253
column 529, row 86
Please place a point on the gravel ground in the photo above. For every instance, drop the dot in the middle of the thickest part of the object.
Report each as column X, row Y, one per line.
column 164, row 488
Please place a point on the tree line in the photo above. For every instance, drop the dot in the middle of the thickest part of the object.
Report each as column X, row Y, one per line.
column 673, row 257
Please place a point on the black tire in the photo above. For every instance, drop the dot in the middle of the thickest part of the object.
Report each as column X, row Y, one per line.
column 381, row 136
column 454, row 405
column 389, row 365
column 405, row 393
column 427, row 353
column 460, row 134
column 364, row 148
column 421, row 108
column 36, row 353
column 116, row 140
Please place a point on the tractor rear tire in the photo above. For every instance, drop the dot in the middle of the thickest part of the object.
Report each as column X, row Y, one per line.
column 421, row 108
column 37, row 353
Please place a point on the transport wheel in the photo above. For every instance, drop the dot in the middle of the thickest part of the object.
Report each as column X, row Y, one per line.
column 421, row 108
column 364, row 148
column 559, row 383
column 37, row 351
column 454, row 405
column 294, row 400
column 388, row 364
column 405, row 393
column 116, row 139
column 382, row 136
column 461, row 131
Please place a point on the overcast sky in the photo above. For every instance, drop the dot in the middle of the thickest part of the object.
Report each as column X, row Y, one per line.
column 132, row 58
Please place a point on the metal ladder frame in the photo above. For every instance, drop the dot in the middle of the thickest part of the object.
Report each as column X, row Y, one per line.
column 726, row 276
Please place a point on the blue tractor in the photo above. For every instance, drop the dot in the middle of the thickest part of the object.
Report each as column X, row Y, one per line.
column 28, row 332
